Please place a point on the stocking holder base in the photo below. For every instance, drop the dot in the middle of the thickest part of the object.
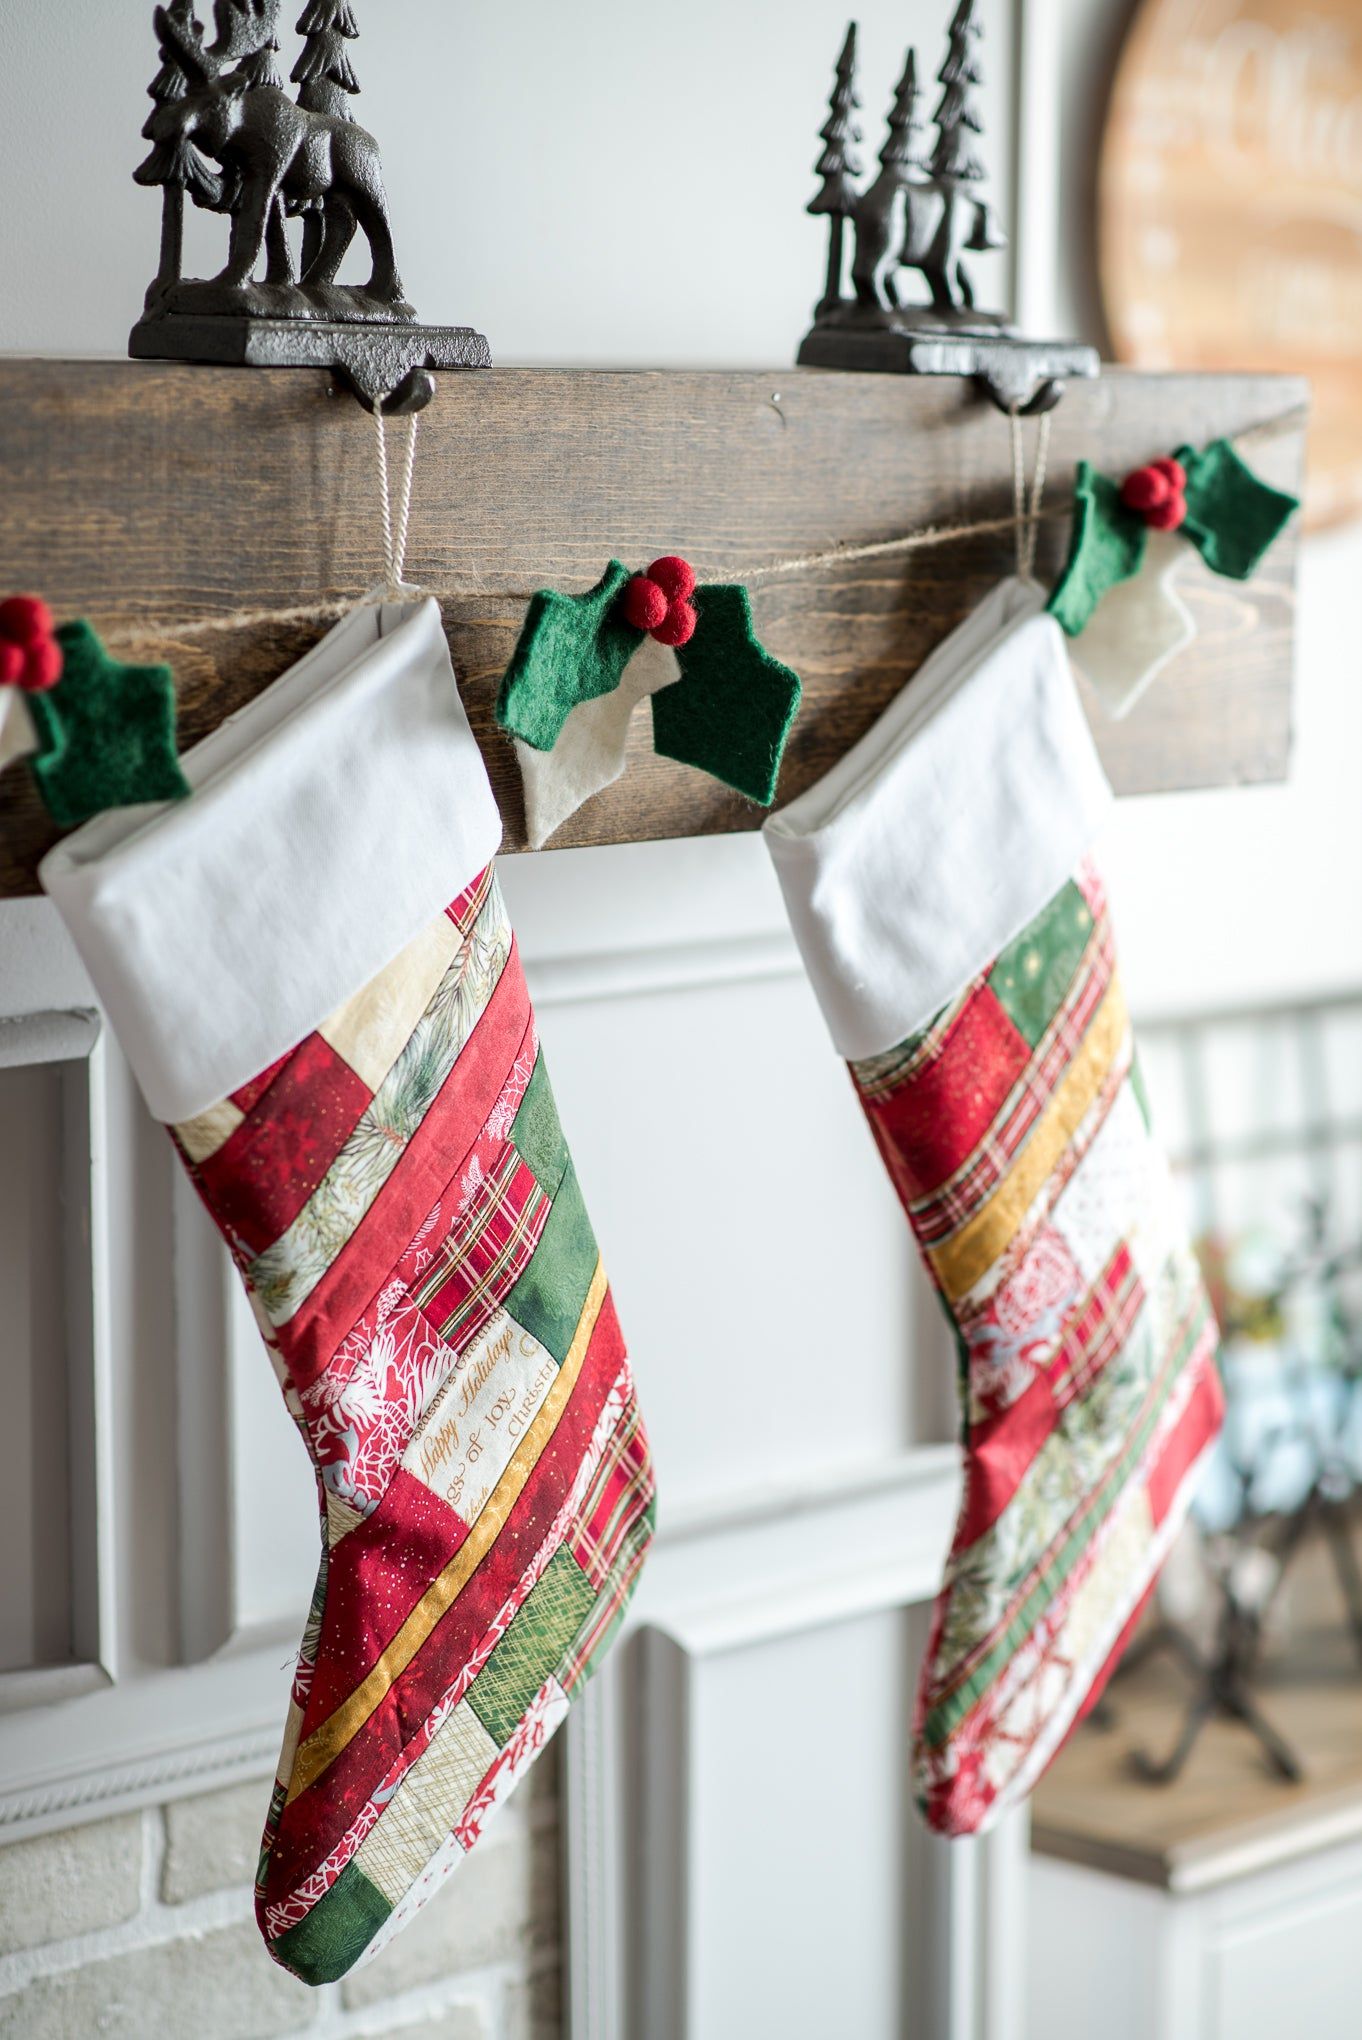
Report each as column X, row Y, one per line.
column 387, row 362
column 1021, row 375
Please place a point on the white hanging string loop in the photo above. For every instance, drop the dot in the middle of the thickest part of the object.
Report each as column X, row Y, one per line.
column 396, row 518
column 1018, row 491
column 1038, row 479
column 1026, row 514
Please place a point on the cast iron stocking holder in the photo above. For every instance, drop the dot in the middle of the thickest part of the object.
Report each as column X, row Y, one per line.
column 922, row 213
column 225, row 131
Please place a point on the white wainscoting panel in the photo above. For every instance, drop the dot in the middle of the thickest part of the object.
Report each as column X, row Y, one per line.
column 762, row 1267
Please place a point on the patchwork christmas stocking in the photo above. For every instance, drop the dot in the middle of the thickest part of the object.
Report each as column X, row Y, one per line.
column 940, row 886
column 311, row 970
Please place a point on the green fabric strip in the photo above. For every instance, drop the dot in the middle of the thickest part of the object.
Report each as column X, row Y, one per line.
column 336, row 1932
column 549, row 1296
column 540, row 1634
column 538, row 1132
column 942, row 1718
column 1032, row 976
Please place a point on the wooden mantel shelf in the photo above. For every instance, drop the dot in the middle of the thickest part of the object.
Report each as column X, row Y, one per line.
column 202, row 515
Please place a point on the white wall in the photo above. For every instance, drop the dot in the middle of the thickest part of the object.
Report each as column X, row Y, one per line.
column 612, row 184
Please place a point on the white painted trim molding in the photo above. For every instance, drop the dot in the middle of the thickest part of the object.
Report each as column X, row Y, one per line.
column 719, row 1581
column 72, row 1043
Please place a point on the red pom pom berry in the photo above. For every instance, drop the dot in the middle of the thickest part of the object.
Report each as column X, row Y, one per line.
column 678, row 626
column 12, row 663
column 25, row 620
column 1146, row 489
column 1175, row 472
column 43, row 664
column 644, row 603
column 1167, row 516
column 675, row 577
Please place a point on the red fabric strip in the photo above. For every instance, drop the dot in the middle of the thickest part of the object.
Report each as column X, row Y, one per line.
column 319, row 1817
column 265, row 1172
column 455, row 1120
column 1195, row 1428
column 249, row 1096
column 375, row 1577
column 930, row 1126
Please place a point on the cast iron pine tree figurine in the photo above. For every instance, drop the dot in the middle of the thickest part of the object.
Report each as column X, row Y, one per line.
column 924, row 217
column 323, row 72
column 953, row 158
column 258, row 66
column 175, row 165
column 901, row 147
column 839, row 166
column 885, row 226
column 326, row 82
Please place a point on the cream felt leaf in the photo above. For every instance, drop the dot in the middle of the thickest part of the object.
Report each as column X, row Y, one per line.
column 18, row 737
column 1137, row 628
column 590, row 751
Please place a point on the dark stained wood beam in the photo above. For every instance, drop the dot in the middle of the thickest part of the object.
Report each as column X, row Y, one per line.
column 206, row 516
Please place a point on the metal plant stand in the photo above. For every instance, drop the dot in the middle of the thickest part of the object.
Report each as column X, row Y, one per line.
column 1254, row 1571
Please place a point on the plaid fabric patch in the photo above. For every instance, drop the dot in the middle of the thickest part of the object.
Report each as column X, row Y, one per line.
column 485, row 1252
column 391, row 1233
column 620, row 1498
column 1085, row 1384
column 1100, row 1330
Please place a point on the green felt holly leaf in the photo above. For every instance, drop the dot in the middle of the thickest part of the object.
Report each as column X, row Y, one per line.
column 1107, row 547
column 106, row 733
column 1232, row 517
column 573, row 648
column 732, row 710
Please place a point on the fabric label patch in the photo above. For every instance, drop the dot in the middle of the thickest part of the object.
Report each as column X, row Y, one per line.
column 1118, row 1193
column 481, row 1415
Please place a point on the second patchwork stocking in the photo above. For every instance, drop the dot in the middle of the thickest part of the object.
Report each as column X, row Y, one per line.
column 957, row 934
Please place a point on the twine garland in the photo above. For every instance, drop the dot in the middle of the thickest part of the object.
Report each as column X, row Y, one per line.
column 1024, row 522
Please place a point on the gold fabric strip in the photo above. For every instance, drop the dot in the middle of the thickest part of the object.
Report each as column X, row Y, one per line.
column 970, row 1253
column 327, row 1741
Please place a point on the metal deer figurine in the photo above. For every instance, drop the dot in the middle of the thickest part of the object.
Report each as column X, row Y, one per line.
column 277, row 159
column 923, row 213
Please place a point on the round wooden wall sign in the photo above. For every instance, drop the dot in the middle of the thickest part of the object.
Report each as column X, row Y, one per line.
column 1230, row 207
